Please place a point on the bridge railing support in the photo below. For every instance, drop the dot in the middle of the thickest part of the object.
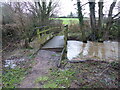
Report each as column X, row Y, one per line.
column 65, row 37
column 43, row 36
column 64, row 51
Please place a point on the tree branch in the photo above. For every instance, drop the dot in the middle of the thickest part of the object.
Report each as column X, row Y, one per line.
column 116, row 15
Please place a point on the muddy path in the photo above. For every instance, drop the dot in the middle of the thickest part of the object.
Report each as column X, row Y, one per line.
column 44, row 61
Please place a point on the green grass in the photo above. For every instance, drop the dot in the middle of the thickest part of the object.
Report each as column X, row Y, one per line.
column 68, row 20
column 41, row 79
column 50, row 85
column 56, row 79
column 82, row 75
column 12, row 77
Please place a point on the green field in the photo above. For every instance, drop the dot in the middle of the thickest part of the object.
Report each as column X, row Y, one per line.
column 68, row 20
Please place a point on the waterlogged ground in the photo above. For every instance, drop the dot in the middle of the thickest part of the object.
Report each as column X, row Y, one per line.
column 94, row 74
column 89, row 74
column 44, row 61
column 99, row 69
column 106, row 51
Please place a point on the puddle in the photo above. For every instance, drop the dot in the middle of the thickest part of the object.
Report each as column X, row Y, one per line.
column 12, row 63
column 108, row 50
column 48, row 55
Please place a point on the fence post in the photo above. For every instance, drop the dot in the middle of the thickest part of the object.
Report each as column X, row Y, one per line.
column 64, row 51
column 65, row 37
column 38, row 33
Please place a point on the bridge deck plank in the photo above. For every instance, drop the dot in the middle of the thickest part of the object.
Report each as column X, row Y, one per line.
column 56, row 42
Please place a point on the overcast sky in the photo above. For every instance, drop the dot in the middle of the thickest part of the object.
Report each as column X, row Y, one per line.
column 68, row 6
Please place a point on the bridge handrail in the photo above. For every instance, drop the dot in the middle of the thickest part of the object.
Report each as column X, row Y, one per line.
column 49, row 29
column 40, row 27
column 37, row 30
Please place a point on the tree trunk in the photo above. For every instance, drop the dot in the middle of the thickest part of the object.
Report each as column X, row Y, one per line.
column 109, row 20
column 93, row 20
column 44, row 11
column 100, row 19
column 80, row 16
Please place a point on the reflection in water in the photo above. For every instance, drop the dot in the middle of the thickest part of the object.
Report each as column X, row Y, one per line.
column 107, row 50
column 85, row 50
column 111, row 50
column 74, row 48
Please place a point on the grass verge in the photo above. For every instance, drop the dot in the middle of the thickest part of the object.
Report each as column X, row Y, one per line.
column 11, row 77
column 87, row 74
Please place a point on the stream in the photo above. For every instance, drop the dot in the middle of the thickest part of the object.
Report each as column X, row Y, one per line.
column 77, row 50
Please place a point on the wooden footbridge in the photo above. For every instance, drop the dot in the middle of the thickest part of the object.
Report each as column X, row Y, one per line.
column 56, row 44
column 50, row 40
column 54, row 39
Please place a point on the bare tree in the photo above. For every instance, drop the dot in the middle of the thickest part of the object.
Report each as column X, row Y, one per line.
column 7, row 13
column 23, row 21
column 45, row 10
column 109, row 19
column 80, row 16
column 93, row 19
column 100, row 18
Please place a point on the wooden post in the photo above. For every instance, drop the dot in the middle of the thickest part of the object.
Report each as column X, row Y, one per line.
column 38, row 33
column 64, row 51
column 65, row 37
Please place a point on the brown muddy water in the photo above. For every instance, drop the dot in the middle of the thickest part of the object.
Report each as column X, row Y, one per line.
column 107, row 51
column 77, row 51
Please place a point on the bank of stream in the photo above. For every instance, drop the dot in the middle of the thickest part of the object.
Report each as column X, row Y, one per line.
column 98, row 67
column 79, row 51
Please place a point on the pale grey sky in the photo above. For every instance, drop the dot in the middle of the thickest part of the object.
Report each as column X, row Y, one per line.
column 68, row 6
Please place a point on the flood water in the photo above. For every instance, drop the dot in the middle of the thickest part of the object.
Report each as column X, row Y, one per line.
column 12, row 63
column 74, row 48
column 77, row 50
column 108, row 50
